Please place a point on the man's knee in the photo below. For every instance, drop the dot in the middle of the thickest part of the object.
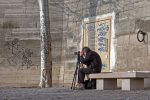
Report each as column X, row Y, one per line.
column 80, row 70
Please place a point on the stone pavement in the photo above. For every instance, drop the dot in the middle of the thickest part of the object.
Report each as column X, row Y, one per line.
column 67, row 94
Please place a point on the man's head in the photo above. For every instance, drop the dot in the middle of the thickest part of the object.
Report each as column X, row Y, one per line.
column 85, row 50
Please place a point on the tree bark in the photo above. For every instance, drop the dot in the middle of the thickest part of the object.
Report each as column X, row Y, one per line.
column 46, row 60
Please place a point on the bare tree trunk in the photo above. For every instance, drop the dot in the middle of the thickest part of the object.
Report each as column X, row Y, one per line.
column 46, row 60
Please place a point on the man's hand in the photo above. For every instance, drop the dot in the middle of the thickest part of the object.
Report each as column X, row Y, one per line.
column 81, row 53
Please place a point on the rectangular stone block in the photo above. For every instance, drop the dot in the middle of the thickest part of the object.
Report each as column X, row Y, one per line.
column 106, row 84
column 133, row 84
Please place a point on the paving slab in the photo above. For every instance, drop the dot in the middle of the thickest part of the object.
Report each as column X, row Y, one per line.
column 68, row 94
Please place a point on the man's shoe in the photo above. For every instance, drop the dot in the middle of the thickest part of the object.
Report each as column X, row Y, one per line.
column 80, row 86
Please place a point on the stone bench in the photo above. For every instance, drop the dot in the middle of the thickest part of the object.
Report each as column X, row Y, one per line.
column 130, row 80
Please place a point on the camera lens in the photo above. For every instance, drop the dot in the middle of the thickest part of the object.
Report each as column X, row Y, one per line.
column 77, row 53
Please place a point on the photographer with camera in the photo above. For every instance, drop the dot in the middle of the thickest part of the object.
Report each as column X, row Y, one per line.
column 93, row 62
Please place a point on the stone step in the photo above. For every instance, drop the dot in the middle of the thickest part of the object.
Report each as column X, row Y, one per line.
column 22, row 11
column 26, row 31
column 10, row 1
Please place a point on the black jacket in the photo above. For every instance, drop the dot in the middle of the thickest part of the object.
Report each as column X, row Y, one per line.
column 92, row 60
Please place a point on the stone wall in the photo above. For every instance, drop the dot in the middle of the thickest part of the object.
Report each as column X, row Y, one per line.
column 20, row 42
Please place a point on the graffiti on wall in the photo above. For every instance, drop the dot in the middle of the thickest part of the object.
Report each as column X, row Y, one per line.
column 18, row 55
column 26, row 58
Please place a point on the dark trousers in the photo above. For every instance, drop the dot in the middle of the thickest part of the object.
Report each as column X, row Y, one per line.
column 83, row 71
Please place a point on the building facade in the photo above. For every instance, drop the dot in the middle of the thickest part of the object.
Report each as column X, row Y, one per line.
column 20, row 37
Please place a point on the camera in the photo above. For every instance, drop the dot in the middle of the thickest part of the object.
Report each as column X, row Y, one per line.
column 77, row 53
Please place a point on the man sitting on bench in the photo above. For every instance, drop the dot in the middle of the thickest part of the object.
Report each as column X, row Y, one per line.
column 93, row 62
